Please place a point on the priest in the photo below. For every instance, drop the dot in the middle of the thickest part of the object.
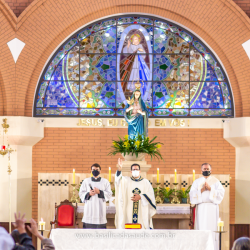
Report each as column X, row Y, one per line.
column 94, row 192
column 135, row 200
column 207, row 193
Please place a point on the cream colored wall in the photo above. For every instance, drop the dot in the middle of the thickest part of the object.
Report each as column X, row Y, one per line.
column 24, row 132
column 237, row 133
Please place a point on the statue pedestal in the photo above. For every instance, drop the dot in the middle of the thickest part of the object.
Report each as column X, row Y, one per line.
column 126, row 168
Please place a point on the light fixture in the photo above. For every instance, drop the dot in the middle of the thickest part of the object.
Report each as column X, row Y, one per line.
column 7, row 150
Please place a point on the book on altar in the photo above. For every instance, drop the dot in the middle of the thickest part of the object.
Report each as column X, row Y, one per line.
column 132, row 226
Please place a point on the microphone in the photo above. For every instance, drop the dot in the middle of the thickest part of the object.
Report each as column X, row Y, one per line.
column 90, row 186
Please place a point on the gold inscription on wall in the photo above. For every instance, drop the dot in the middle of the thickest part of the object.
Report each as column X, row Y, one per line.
column 172, row 123
column 90, row 122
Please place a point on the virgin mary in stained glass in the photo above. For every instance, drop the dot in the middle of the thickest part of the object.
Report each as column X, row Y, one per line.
column 133, row 66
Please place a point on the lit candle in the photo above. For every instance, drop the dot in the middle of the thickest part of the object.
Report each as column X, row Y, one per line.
column 42, row 225
column 3, row 147
column 109, row 174
column 220, row 225
column 158, row 179
column 74, row 176
column 175, row 176
column 193, row 175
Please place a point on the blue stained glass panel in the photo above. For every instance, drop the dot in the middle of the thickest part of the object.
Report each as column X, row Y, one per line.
column 58, row 94
column 209, row 95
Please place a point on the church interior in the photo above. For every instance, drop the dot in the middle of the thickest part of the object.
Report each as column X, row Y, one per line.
column 162, row 85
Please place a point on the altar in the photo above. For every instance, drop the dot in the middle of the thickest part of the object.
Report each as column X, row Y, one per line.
column 167, row 216
column 55, row 187
column 122, row 239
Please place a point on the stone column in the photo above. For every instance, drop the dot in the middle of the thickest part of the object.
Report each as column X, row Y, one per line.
column 24, row 132
column 237, row 133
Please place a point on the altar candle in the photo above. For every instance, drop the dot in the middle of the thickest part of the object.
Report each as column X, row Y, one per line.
column 220, row 225
column 158, row 178
column 193, row 175
column 74, row 176
column 109, row 174
column 175, row 176
column 42, row 225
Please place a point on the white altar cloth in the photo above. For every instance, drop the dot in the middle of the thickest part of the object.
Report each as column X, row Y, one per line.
column 168, row 209
column 121, row 239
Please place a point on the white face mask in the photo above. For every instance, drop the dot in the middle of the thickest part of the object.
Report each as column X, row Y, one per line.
column 135, row 173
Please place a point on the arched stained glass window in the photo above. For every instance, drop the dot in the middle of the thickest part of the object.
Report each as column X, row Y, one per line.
column 95, row 71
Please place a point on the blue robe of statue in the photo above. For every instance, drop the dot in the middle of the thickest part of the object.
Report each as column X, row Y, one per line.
column 137, row 123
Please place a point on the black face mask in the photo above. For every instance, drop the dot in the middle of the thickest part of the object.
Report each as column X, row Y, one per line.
column 206, row 173
column 95, row 172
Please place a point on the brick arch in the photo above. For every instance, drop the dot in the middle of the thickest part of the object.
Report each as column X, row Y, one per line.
column 203, row 20
column 8, row 23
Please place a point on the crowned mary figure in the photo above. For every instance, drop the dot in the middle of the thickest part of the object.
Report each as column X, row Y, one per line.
column 136, row 114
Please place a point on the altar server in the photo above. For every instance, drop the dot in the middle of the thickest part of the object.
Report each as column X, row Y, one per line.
column 94, row 192
column 207, row 193
column 135, row 199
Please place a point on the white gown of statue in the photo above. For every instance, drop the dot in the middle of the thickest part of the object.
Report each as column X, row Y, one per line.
column 128, row 211
column 207, row 205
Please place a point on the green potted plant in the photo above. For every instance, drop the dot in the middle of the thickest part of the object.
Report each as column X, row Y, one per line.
column 183, row 194
column 167, row 194
column 137, row 147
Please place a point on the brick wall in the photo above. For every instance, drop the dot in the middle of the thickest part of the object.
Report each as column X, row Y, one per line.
column 63, row 149
column 18, row 6
column 43, row 25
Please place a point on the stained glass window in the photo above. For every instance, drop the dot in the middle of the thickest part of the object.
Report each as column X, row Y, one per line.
column 94, row 72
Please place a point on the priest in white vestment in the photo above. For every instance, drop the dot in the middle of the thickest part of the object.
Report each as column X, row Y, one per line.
column 135, row 199
column 207, row 193
column 95, row 192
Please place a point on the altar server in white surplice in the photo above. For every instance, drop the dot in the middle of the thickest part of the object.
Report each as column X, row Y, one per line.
column 135, row 199
column 207, row 193
column 94, row 192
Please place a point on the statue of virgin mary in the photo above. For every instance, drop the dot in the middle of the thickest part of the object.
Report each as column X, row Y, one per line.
column 136, row 115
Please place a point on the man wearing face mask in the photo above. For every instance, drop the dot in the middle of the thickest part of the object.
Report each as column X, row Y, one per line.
column 94, row 192
column 135, row 200
column 207, row 193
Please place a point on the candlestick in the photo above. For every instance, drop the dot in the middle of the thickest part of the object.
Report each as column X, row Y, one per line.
column 74, row 198
column 158, row 175
column 74, row 176
column 175, row 199
column 109, row 174
column 158, row 199
column 91, row 174
column 42, row 225
column 193, row 175
column 175, row 176
column 3, row 147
